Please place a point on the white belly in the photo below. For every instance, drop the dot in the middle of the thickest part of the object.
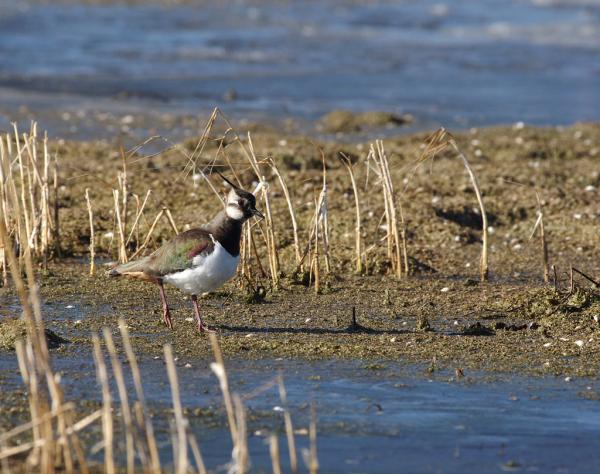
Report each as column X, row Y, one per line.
column 207, row 272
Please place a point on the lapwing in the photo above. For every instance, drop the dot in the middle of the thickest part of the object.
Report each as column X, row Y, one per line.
column 199, row 260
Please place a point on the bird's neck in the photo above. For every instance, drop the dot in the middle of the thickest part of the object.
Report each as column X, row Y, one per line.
column 226, row 231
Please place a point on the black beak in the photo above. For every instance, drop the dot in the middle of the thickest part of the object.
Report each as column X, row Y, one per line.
column 257, row 213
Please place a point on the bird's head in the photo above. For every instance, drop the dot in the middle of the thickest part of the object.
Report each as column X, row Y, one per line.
column 240, row 204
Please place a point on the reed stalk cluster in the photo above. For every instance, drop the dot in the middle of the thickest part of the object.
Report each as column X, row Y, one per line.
column 28, row 196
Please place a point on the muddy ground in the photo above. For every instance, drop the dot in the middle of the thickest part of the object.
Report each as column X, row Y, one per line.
column 439, row 315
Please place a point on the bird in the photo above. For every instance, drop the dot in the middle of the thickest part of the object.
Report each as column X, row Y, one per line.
column 199, row 260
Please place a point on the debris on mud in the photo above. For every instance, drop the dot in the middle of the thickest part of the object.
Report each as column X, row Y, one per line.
column 345, row 121
column 477, row 329
column 12, row 330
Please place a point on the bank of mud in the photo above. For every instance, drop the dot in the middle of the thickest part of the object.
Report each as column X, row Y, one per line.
column 439, row 315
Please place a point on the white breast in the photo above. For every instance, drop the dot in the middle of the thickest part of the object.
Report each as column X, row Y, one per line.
column 207, row 272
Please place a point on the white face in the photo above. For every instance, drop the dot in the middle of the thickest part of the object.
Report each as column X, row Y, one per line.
column 233, row 209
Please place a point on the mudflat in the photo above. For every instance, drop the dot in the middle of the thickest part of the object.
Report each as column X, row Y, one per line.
column 440, row 314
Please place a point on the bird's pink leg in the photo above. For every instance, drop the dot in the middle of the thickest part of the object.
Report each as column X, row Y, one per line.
column 201, row 326
column 166, row 312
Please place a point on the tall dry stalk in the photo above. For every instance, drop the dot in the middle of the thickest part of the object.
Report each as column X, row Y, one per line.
column 289, row 428
column 124, row 398
column 143, row 418
column 313, row 465
column 543, row 242
column 319, row 233
column 218, row 368
column 357, row 227
column 45, row 394
column 437, row 142
column 122, row 250
column 288, row 200
column 107, row 420
column 483, row 267
column 241, row 460
column 92, row 239
column 270, row 239
column 395, row 246
column 274, row 453
column 181, row 458
column 25, row 193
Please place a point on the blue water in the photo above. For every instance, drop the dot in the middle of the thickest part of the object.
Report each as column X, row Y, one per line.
column 456, row 63
column 395, row 419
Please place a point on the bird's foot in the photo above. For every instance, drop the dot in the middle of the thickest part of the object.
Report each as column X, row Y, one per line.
column 167, row 318
column 204, row 328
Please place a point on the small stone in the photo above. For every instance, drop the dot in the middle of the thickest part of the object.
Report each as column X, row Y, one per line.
column 579, row 343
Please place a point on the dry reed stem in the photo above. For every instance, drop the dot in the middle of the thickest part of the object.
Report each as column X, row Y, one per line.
column 288, row 200
column 121, row 230
column 56, row 224
column 218, row 368
column 29, row 380
column 107, row 421
column 5, row 466
column 196, row 453
column 31, row 357
column 274, row 452
column 289, row 428
column 30, row 424
column 181, row 460
column 124, row 188
column 313, row 466
column 137, row 382
column 543, row 241
column 437, row 142
column 25, row 195
column 269, row 236
column 92, row 241
column 124, row 398
column 148, row 235
column 315, row 273
column 171, row 220
column 34, row 358
column 138, row 214
column 241, row 460
column 394, row 244
column 42, row 442
column 41, row 358
column 357, row 228
column 484, row 267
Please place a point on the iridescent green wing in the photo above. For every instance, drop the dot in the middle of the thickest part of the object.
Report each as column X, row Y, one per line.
column 178, row 254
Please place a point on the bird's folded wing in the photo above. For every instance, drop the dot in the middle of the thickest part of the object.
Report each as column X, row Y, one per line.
column 178, row 254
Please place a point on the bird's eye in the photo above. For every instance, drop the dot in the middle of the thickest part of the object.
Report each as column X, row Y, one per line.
column 241, row 202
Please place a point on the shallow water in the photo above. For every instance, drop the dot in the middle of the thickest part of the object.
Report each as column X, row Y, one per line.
column 380, row 418
column 453, row 63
